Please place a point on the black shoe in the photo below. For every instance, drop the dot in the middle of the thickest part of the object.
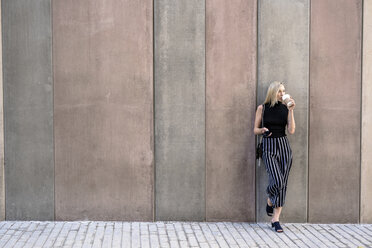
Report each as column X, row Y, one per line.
column 277, row 226
column 269, row 210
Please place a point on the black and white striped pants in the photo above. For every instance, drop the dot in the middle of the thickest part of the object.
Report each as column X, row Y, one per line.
column 277, row 157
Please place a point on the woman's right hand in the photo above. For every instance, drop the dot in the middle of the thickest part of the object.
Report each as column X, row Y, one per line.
column 264, row 129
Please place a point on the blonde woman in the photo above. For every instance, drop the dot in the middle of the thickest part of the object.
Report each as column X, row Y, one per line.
column 277, row 153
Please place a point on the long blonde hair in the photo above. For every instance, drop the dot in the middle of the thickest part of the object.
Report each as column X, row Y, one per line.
column 272, row 92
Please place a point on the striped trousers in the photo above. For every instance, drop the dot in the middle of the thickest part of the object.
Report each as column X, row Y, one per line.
column 277, row 157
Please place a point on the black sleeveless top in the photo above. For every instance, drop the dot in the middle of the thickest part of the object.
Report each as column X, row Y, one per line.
column 275, row 119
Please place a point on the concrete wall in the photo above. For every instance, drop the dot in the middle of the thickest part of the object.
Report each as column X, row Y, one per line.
column 335, row 98
column 28, row 109
column 230, row 98
column 180, row 109
column 103, row 106
column 148, row 111
column 366, row 168
column 2, row 185
column 283, row 55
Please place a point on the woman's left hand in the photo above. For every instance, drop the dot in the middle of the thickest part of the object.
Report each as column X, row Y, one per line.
column 293, row 104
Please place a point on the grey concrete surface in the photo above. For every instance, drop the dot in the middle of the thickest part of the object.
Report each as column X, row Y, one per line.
column 2, row 183
column 181, row 234
column 366, row 163
column 283, row 55
column 28, row 109
column 103, row 106
column 335, row 111
column 180, row 109
column 231, row 46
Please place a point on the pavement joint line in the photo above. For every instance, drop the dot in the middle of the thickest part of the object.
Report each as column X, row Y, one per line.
column 28, row 238
column 259, row 232
column 350, row 240
column 369, row 227
column 237, row 235
column 148, row 231
column 352, row 234
column 365, row 230
column 356, row 236
column 330, row 234
column 254, row 233
column 334, row 234
column 285, row 234
column 317, row 234
column 210, row 237
column 344, row 241
column 292, row 236
column 46, row 228
column 11, row 228
column 360, row 233
column 299, row 234
column 249, row 237
column 20, row 235
column 222, row 231
column 218, row 233
column 314, row 238
column 278, row 236
column 166, row 232
column 27, row 234
column 77, row 231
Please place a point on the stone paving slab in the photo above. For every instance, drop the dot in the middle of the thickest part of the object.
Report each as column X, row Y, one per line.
column 180, row 234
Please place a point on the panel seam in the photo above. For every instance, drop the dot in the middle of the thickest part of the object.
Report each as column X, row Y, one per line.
column 205, row 110
column 53, row 137
column 153, row 109
column 3, row 100
column 361, row 112
column 308, row 120
column 257, row 83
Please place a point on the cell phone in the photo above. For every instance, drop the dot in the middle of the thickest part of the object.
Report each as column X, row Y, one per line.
column 266, row 133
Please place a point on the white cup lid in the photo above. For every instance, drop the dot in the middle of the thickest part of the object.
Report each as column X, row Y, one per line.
column 285, row 97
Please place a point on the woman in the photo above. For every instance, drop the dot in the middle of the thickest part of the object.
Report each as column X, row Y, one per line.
column 277, row 153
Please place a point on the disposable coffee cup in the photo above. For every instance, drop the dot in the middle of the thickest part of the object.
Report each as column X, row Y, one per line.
column 287, row 100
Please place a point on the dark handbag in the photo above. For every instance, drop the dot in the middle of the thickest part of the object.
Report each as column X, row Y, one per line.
column 259, row 149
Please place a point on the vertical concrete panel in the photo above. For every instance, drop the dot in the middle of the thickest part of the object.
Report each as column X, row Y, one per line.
column 180, row 109
column 2, row 185
column 231, row 46
column 366, row 169
column 103, row 60
column 28, row 109
column 283, row 55
column 335, row 98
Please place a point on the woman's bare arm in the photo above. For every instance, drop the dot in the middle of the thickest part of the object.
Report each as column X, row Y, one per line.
column 291, row 127
column 257, row 122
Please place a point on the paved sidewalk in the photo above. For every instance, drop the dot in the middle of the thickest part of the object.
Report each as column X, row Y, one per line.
column 180, row 234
